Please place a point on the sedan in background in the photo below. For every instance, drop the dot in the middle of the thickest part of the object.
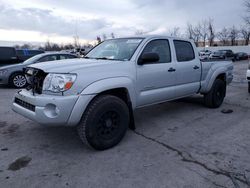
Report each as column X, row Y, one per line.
column 241, row 56
column 13, row 75
column 223, row 54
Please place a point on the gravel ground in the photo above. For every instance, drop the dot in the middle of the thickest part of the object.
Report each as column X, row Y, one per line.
column 176, row 144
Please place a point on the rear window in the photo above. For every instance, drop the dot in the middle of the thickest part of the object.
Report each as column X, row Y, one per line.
column 7, row 53
column 184, row 51
column 67, row 56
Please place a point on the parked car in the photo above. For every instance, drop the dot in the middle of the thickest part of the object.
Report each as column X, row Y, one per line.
column 99, row 93
column 248, row 77
column 13, row 75
column 241, row 56
column 25, row 54
column 8, row 56
column 223, row 54
column 204, row 54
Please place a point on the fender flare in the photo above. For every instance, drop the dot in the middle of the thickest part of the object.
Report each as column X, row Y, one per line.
column 112, row 83
column 211, row 78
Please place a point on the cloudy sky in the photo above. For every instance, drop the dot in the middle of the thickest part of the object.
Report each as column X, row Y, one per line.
column 59, row 20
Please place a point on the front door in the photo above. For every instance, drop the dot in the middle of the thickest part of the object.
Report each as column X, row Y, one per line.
column 156, row 81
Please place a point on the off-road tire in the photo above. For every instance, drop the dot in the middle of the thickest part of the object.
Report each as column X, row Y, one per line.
column 215, row 97
column 104, row 122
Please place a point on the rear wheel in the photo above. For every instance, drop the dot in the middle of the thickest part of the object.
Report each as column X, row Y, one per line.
column 248, row 87
column 215, row 97
column 18, row 80
column 104, row 122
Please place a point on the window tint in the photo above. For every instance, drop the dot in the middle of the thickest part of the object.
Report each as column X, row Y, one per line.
column 184, row 50
column 7, row 53
column 48, row 58
column 66, row 57
column 161, row 47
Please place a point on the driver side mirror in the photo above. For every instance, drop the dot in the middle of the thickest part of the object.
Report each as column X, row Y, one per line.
column 148, row 58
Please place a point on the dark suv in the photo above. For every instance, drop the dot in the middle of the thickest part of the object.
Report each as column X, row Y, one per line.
column 8, row 56
column 223, row 54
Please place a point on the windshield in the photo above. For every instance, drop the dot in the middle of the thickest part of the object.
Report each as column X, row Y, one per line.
column 115, row 49
column 32, row 59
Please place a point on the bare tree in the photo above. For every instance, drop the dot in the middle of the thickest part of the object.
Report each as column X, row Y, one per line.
column 197, row 34
column 140, row 32
column 76, row 41
column 245, row 32
column 233, row 35
column 247, row 17
column 203, row 31
column 211, row 32
column 175, row 32
column 223, row 36
column 190, row 31
column 47, row 46
column 99, row 40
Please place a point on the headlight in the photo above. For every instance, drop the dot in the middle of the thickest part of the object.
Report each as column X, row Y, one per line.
column 58, row 82
column 3, row 72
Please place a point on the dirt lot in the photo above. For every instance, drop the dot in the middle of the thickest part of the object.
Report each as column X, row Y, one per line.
column 177, row 144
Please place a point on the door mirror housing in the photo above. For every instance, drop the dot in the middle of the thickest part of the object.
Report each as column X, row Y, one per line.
column 148, row 58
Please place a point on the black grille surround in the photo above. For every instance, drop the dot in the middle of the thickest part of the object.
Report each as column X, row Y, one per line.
column 24, row 104
column 35, row 78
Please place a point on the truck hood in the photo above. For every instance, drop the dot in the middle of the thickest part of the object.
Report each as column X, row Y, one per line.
column 71, row 65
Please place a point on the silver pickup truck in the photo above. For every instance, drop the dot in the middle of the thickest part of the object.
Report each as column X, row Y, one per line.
column 98, row 94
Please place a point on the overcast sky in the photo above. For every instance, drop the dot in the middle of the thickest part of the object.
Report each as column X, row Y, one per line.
column 60, row 20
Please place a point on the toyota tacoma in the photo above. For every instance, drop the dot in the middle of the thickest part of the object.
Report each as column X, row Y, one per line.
column 99, row 93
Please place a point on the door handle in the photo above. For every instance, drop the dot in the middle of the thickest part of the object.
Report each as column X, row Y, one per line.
column 196, row 67
column 171, row 69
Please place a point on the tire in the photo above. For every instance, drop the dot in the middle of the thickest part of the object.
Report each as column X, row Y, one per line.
column 18, row 80
column 215, row 97
column 248, row 87
column 104, row 123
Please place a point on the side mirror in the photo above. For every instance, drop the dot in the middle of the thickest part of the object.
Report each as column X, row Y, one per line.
column 148, row 58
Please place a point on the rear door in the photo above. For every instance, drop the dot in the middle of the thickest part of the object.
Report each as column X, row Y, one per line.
column 188, row 69
column 155, row 82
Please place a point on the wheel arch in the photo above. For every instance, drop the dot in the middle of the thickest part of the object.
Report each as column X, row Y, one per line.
column 12, row 74
column 218, row 74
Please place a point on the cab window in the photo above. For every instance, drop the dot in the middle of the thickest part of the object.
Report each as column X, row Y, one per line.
column 161, row 47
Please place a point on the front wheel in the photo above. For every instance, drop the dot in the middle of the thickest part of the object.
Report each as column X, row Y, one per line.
column 215, row 97
column 104, row 122
column 18, row 80
column 248, row 87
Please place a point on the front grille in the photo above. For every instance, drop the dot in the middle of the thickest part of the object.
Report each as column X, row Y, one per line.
column 25, row 104
column 35, row 78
